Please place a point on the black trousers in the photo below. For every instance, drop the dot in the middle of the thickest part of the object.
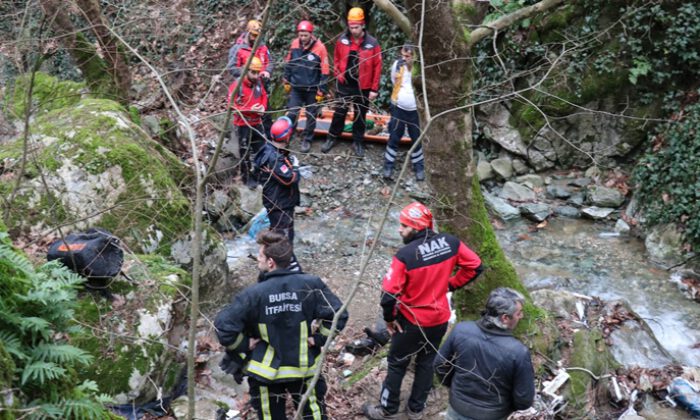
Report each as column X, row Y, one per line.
column 421, row 342
column 269, row 399
column 302, row 97
column 400, row 120
column 348, row 96
column 250, row 141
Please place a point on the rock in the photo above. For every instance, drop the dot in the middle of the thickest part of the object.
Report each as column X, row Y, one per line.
column 621, row 226
column 215, row 287
column 130, row 338
column 596, row 213
column 580, row 182
column 635, row 345
column 503, row 167
column 516, row 192
column 532, row 181
column 605, row 197
column 484, row 171
column 560, row 303
column 567, row 211
column 576, row 199
column 593, row 172
column 633, row 207
column 498, row 129
column 540, row 161
column 99, row 169
column 520, row 167
column 557, row 191
column 663, row 244
column 537, row 212
column 151, row 124
column 501, row 207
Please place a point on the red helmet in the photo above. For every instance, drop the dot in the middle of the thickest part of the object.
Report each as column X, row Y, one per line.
column 305, row 26
column 416, row 216
column 281, row 130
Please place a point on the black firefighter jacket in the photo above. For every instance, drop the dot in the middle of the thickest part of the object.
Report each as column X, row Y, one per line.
column 279, row 311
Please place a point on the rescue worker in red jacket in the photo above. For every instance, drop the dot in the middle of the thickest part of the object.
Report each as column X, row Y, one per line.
column 241, row 50
column 278, row 172
column 249, row 106
column 415, row 306
column 305, row 77
column 271, row 323
column 357, row 67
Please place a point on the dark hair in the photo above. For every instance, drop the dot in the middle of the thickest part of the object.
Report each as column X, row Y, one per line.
column 276, row 246
column 408, row 48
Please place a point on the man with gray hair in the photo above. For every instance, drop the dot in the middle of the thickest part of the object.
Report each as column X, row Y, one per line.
column 488, row 371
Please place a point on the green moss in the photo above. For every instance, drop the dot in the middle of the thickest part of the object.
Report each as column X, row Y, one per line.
column 7, row 368
column 589, row 352
column 135, row 115
column 366, row 367
column 49, row 93
column 94, row 68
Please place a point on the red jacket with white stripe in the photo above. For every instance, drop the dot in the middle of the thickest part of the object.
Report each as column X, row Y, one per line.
column 249, row 95
column 369, row 57
column 421, row 274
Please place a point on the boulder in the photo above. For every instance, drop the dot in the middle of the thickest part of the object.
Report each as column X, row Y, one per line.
column 559, row 303
column 501, row 207
column 520, row 167
column 557, row 191
column 621, row 226
column 516, row 192
column 605, row 197
column 663, row 244
column 484, row 171
column 532, row 181
column 130, row 337
column 537, row 212
column 596, row 213
column 94, row 167
column 498, row 129
column 503, row 167
column 567, row 211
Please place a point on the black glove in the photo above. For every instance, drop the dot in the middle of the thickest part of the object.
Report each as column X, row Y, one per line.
column 319, row 340
column 232, row 364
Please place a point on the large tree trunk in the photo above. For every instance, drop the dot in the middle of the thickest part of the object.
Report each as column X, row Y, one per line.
column 448, row 151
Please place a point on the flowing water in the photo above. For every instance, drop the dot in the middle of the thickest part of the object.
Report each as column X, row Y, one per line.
column 588, row 258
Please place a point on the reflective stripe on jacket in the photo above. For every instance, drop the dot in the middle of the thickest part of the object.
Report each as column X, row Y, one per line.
column 307, row 67
column 279, row 311
column 369, row 57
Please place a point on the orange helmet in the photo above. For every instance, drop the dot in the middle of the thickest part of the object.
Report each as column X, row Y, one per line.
column 254, row 27
column 416, row 216
column 256, row 64
column 356, row 16
column 306, row 26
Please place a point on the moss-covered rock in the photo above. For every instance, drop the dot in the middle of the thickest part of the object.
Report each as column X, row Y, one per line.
column 89, row 165
column 7, row 370
column 130, row 336
column 48, row 93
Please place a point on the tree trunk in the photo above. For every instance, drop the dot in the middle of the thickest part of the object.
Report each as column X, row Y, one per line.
column 448, row 151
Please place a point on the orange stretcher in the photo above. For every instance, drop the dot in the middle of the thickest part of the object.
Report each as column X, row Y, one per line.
column 379, row 133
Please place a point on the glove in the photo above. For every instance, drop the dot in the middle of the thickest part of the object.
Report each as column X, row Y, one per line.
column 319, row 96
column 231, row 365
column 287, row 88
column 319, row 340
column 294, row 161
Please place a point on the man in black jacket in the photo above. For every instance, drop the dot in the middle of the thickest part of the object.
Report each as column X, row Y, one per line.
column 489, row 371
column 270, row 323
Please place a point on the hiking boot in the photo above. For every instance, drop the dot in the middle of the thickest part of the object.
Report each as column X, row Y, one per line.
column 420, row 175
column 411, row 415
column 361, row 347
column 376, row 412
column 328, row 145
column 388, row 171
column 251, row 183
column 305, row 146
column 359, row 149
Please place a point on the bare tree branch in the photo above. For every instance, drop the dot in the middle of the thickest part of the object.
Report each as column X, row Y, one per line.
column 395, row 14
column 509, row 19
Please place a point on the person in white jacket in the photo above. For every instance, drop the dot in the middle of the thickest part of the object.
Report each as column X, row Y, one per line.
column 404, row 114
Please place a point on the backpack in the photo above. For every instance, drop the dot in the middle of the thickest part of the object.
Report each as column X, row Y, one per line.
column 95, row 254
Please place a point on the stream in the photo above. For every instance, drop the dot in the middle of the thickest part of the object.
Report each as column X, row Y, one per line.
column 589, row 258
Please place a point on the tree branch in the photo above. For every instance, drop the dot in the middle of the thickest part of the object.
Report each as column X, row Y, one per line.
column 509, row 19
column 395, row 14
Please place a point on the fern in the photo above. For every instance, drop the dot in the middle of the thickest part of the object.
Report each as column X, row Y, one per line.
column 40, row 372
column 13, row 345
column 19, row 262
column 35, row 325
column 82, row 409
column 61, row 353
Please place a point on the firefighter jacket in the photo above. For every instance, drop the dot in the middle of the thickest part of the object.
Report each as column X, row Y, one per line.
column 369, row 55
column 280, row 180
column 307, row 68
column 249, row 95
column 421, row 275
column 280, row 311
column 240, row 51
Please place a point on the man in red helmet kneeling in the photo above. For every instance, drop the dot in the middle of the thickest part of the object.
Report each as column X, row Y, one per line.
column 415, row 306
column 278, row 172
